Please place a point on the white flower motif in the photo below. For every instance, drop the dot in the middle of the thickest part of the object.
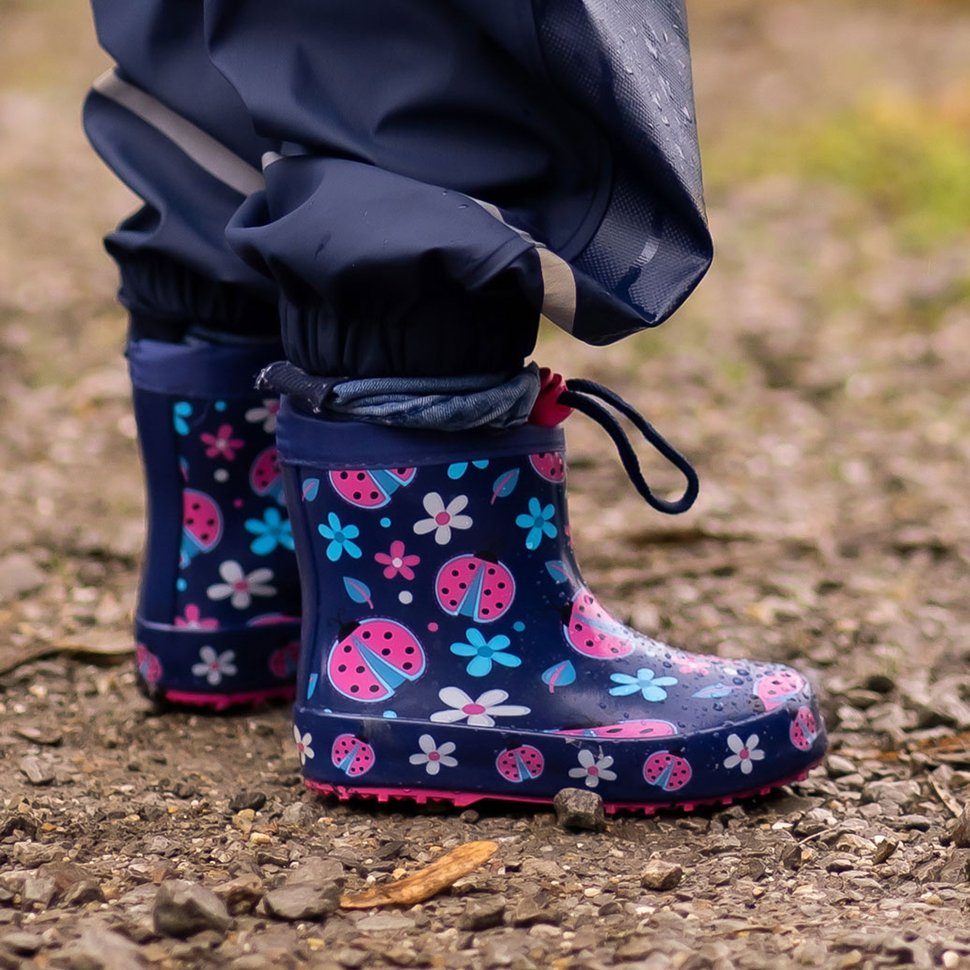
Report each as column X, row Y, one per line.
column 265, row 414
column 480, row 712
column 214, row 666
column 745, row 753
column 303, row 742
column 443, row 518
column 433, row 756
column 241, row 587
column 592, row 768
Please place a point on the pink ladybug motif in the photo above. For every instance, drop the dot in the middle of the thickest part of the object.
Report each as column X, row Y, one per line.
column 777, row 687
column 149, row 666
column 283, row 660
column 371, row 659
column 549, row 465
column 647, row 728
column 475, row 586
column 591, row 631
column 370, row 489
column 352, row 756
column 804, row 729
column 201, row 525
column 520, row 764
column 265, row 476
column 667, row 771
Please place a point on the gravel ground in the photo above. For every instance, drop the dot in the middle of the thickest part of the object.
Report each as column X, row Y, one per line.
column 820, row 380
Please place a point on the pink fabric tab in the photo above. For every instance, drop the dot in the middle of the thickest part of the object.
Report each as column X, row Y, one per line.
column 547, row 412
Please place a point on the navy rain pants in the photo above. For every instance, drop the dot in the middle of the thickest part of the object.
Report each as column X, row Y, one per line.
column 404, row 186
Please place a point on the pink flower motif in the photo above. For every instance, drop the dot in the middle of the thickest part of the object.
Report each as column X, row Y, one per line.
column 193, row 620
column 396, row 562
column 221, row 444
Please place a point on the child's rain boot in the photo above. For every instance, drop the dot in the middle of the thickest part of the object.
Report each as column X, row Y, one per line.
column 452, row 650
column 218, row 621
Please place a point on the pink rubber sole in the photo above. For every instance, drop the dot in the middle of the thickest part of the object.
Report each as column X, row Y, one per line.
column 224, row 702
column 422, row 796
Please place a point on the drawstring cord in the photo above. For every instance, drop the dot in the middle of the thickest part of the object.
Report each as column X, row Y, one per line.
column 584, row 396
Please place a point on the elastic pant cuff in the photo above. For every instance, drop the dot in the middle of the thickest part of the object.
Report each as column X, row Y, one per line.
column 166, row 299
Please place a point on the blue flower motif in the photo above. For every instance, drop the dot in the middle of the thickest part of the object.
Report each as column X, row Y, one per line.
column 271, row 530
column 645, row 683
column 340, row 537
column 538, row 523
column 181, row 411
column 456, row 470
column 484, row 652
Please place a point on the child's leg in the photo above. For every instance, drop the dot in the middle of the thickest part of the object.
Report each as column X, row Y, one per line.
column 451, row 648
column 218, row 614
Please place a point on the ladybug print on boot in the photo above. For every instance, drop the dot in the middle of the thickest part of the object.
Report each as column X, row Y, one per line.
column 201, row 525
column 590, row 630
column 352, row 756
column 520, row 764
column 373, row 658
column 804, row 729
column 265, row 478
column 370, row 489
column 629, row 729
column 549, row 465
column 779, row 686
column 667, row 771
column 475, row 586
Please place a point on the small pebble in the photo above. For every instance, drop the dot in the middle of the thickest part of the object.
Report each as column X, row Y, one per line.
column 253, row 800
column 577, row 808
column 661, row 876
column 183, row 908
column 483, row 914
column 38, row 772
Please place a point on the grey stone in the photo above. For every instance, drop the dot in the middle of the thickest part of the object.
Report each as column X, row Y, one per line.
column 959, row 832
column 83, row 892
column 22, row 942
column 39, row 891
column 385, row 923
column 37, row 770
column 241, row 894
column 577, row 808
column 183, row 908
column 254, row 800
column 483, row 914
column 102, row 949
column 299, row 815
column 304, row 901
column 661, row 876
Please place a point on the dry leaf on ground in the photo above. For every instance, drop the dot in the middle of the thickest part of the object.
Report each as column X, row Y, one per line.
column 427, row 882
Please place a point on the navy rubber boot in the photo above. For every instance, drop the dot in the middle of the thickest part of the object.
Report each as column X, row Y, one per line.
column 218, row 619
column 452, row 650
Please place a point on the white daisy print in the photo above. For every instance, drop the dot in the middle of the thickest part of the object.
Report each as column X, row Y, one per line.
column 745, row 753
column 240, row 587
column 480, row 712
column 443, row 518
column 303, row 742
column 434, row 756
column 214, row 666
column 265, row 415
column 592, row 769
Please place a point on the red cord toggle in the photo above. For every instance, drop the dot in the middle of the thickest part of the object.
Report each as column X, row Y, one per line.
column 547, row 412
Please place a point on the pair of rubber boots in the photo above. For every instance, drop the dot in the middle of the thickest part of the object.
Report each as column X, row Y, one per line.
column 450, row 648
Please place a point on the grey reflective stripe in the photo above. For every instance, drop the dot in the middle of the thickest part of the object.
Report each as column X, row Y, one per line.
column 270, row 158
column 203, row 149
column 558, row 280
